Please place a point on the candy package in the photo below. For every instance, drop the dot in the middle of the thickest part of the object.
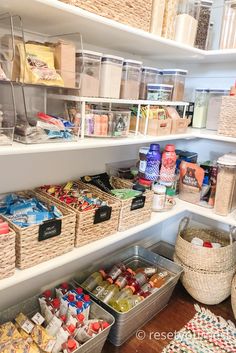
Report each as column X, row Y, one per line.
column 191, row 181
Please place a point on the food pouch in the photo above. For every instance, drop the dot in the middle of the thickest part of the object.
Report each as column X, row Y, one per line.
column 37, row 65
column 191, row 180
column 43, row 340
column 8, row 334
column 24, row 323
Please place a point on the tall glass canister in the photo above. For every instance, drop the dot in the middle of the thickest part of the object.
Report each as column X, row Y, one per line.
column 186, row 22
column 228, row 30
column 200, row 107
column 203, row 14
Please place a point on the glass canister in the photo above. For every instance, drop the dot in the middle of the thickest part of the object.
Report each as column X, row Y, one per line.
column 228, row 29
column 158, row 8
column 186, row 22
column 159, row 92
column 149, row 75
column 214, row 107
column 170, row 12
column 130, row 81
column 200, row 107
column 175, row 77
column 203, row 10
column 111, row 70
column 225, row 199
column 88, row 66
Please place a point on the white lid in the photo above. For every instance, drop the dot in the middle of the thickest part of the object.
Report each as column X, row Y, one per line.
column 144, row 150
column 157, row 86
column 108, row 56
column 227, row 159
column 160, row 189
column 154, row 69
column 174, row 71
column 130, row 61
column 89, row 52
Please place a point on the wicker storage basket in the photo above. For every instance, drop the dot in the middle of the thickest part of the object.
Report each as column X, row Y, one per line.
column 86, row 231
column 7, row 254
column 29, row 250
column 202, row 258
column 179, row 126
column 135, row 13
column 209, row 288
column 233, row 296
column 227, row 118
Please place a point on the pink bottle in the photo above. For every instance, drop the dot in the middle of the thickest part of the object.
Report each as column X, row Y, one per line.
column 168, row 165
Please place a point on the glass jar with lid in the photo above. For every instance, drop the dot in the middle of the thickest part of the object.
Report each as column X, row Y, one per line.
column 228, row 29
column 203, row 13
column 111, row 70
column 175, row 77
column 186, row 22
column 214, row 107
column 200, row 107
column 130, row 81
column 149, row 75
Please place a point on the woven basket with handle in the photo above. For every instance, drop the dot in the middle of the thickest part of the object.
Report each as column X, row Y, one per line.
column 202, row 258
column 209, row 288
column 233, row 296
column 7, row 254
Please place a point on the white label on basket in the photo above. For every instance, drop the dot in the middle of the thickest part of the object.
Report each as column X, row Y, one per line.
column 38, row 319
column 27, row 326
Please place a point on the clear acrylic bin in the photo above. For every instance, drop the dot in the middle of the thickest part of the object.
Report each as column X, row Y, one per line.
column 111, row 70
column 159, row 92
column 149, row 75
column 175, row 77
column 228, row 30
column 7, row 113
column 131, row 77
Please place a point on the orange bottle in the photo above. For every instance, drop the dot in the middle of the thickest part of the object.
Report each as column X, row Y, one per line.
column 159, row 279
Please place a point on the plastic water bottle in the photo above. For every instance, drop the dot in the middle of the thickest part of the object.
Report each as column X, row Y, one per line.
column 153, row 162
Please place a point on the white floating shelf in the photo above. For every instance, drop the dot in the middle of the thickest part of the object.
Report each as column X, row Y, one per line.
column 53, row 17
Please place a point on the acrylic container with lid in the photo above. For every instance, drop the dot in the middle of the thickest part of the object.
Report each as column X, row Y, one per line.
column 200, row 107
column 203, row 11
column 149, row 75
column 214, row 107
column 175, row 77
column 225, row 199
column 228, row 29
column 159, row 92
column 88, row 67
column 130, row 81
column 186, row 22
column 110, row 80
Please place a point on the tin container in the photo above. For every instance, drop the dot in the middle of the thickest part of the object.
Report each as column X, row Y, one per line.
column 134, row 257
column 163, row 248
column 30, row 306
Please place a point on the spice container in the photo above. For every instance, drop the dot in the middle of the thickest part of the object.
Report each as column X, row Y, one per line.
column 159, row 197
column 225, row 199
column 200, row 107
column 111, row 70
column 186, row 22
column 228, row 33
column 203, row 9
column 158, row 8
column 149, row 75
column 168, row 28
column 175, row 77
column 214, row 107
column 130, row 81
column 159, row 92
column 88, row 66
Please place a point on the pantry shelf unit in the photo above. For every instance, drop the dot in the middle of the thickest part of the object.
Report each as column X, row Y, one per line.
column 180, row 208
column 63, row 18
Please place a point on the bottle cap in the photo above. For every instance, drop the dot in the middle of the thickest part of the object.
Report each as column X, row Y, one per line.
column 71, row 328
column 110, row 280
column 56, row 303
column 63, row 318
column 64, row 285
column 47, row 294
column 159, row 189
column 95, row 326
column 151, row 284
column 132, row 288
column 86, row 298
column 130, row 271
column 207, row 244
column 79, row 305
column 105, row 324
column 71, row 297
column 80, row 317
column 103, row 273
column 170, row 148
column 154, row 147
column 79, row 290
column 145, row 182
column 71, row 344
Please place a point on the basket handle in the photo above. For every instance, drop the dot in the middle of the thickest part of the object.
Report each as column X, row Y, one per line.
column 232, row 232
column 183, row 224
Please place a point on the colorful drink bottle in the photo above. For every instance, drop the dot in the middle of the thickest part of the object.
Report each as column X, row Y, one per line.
column 129, row 302
column 94, row 280
column 115, row 271
column 100, row 288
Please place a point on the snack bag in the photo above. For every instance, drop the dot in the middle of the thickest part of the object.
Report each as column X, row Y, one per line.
column 191, row 180
column 8, row 334
column 43, row 340
column 37, row 65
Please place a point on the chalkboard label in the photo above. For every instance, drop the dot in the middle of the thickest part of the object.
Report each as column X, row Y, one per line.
column 138, row 202
column 49, row 229
column 102, row 214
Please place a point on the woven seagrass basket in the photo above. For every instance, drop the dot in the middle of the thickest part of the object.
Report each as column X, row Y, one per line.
column 209, row 288
column 29, row 250
column 233, row 296
column 86, row 230
column 7, row 254
column 202, row 258
column 227, row 118
column 135, row 13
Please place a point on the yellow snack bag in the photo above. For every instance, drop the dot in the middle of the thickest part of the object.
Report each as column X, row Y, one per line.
column 8, row 334
column 23, row 347
column 43, row 340
column 37, row 65
column 24, row 323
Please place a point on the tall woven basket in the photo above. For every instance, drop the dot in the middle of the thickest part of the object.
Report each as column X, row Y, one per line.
column 135, row 13
column 202, row 258
column 209, row 288
column 233, row 296
column 7, row 254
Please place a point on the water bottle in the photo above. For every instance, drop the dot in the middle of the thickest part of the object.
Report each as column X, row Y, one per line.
column 153, row 162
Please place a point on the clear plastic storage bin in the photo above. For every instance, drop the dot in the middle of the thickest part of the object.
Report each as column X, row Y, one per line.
column 131, row 77
column 203, row 10
column 214, row 107
column 200, row 107
column 159, row 92
column 110, row 80
column 228, row 30
column 175, row 77
column 88, row 67
column 101, row 123
column 149, row 75
column 186, row 22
